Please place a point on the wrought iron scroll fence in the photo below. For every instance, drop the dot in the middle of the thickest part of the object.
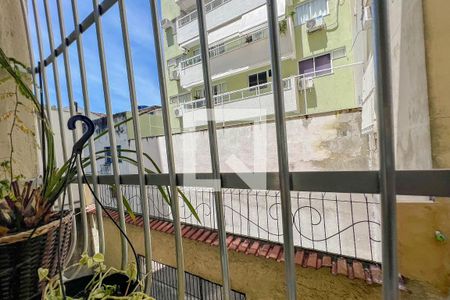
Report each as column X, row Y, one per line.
column 346, row 224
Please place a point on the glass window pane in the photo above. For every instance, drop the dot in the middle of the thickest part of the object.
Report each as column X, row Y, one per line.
column 252, row 80
column 307, row 67
column 323, row 64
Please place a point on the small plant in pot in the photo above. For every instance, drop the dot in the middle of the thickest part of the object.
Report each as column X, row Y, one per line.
column 102, row 282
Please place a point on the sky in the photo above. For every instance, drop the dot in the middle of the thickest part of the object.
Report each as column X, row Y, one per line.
column 142, row 47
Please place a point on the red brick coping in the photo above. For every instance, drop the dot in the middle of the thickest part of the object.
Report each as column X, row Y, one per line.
column 352, row 268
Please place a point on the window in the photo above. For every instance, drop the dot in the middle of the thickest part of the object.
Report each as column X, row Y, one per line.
column 315, row 66
column 217, row 49
column 259, row 78
column 310, row 10
column 108, row 155
column 170, row 37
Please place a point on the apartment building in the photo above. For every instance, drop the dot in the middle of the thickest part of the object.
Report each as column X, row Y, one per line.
column 318, row 64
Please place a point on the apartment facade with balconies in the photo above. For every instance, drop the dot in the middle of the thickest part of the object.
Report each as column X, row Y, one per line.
column 318, row 67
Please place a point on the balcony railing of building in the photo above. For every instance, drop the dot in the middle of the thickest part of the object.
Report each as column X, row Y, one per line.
column 223, row 48
column 387, row 181
column 209, row 6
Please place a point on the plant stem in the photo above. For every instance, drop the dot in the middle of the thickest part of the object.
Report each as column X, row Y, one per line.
column 11, row 132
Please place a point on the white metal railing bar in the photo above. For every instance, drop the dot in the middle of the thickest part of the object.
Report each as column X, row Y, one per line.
column 26, row 24
column 138, row 143
column 221, row 49
column 160, row 62
column 282, row 149
column 37, row 25
column 242, row 94
column 111, row 130
column 79, row 28
column 214, row 150
column 87, row 112
column 45, row 85
column 211, row 5
column 383, row 89
column 68, row 73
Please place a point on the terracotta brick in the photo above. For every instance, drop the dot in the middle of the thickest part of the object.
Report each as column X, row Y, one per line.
column 351, row 275
column 161, row 226
column 211, row 238
column 311, row 262
column 197, row 234
column 342, row 267
column 190, row 233
column 274, row 252
column 156, row 224
column 333, row 268
column 171, row 229
column 262, row 251
column 326, row 261
column 234, row 244
column 230, row 238
column 299, row 257
column 319, row 263
column 253, row 248
column 375, row 271
column 358, row 270
column 167, row 227
column 367, row 276
column 204, row 236
column 185, row 230
column 216, row 241
column 281, row 256
column 152, row 224
column 243, row 246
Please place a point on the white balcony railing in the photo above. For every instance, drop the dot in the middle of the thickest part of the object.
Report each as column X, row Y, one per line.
column 211, row 5
column 227, row 47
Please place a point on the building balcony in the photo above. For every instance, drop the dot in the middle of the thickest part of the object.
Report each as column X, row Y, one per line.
column 236, row 55
column 254, row 103
column 218, row 13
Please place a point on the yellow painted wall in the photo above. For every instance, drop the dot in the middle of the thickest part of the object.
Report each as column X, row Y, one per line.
column 421, row 257
column 13, row 42
column 259, row 278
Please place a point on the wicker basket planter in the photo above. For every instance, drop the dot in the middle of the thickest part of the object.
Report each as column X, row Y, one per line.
column 19, row 260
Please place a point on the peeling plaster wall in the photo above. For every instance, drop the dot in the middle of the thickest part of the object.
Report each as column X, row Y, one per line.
column 13, row 42
column 322, row 142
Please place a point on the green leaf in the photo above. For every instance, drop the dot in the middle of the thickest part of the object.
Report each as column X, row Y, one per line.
column 42, row 273
column 98, row 258
column 128, row 207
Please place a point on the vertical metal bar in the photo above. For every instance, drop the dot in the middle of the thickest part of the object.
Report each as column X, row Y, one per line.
column 213, row 148
column 87, row 113
column 23, row 8
column 138, row 143
column 282, row 147
column 37, row 25
column 68, row 72
column 169, row 149
column 111, row 130
column 386, row 155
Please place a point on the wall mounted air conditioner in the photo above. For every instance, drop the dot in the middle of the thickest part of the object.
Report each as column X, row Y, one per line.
column 305, row 83
column 367, row 17
column 178, row 112
column 315, row 24
column 174, row 74
column 166, row 23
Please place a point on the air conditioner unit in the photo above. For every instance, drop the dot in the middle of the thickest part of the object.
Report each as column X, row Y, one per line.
column 174, row 74
column 367, row 17
column 315, row 24
column 166, row 23
column 305, row 83
column 178, row 112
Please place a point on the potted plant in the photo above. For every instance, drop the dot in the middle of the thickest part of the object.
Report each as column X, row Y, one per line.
column 102, row 282
column 30, row 230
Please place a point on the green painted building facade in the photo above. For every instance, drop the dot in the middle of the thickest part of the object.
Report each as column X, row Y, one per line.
column 321, row 63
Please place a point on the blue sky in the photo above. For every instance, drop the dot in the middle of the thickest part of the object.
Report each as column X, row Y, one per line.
column 142, row 45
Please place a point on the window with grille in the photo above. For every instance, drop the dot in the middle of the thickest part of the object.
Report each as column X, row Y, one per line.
column 310, row 10
column 316, row 66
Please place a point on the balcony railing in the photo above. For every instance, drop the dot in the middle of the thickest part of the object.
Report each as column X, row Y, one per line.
column 209, row 6
column 223, row 48
column 341, row 224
